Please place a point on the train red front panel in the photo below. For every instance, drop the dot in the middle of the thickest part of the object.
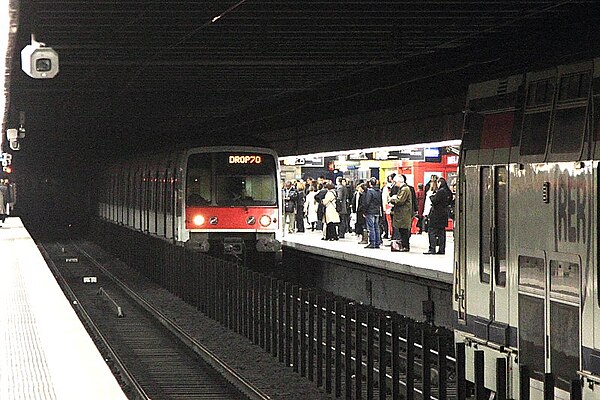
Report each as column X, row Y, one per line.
column 231, row 218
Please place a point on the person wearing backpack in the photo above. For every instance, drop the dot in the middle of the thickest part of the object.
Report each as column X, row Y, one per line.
column 331, row 218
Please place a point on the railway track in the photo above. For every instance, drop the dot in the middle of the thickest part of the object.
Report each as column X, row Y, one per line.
column 150, row 354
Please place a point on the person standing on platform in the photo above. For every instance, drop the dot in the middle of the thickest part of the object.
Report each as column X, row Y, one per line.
column 290, row 195
column 3, row 200
column 420, row 195
column 319, row 196
column 438, row 218
column 358, row 208
column 427, row 205
column 331, row 218
column 387, row 191
column 310, row 208
column 300, row 207
column 402, row 213
column 413, row 196
column 373, row 210
column 342, row 194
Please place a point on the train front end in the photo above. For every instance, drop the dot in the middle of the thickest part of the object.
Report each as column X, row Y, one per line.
column 231, row 203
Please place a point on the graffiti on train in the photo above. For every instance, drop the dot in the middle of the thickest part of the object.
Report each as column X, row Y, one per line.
column 570, row 209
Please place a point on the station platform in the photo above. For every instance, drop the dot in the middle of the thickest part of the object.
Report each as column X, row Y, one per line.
column 46, row 352
column 434, row 267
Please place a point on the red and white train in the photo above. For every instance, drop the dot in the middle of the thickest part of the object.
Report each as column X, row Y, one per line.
column 223, row 200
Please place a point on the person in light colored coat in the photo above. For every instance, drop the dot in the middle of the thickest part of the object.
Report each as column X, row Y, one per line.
column 331, row 217
column 310, row 208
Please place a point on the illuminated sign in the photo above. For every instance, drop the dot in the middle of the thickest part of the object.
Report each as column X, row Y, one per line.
column 247, row 159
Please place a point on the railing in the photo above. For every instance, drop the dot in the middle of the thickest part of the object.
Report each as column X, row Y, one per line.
column 353, row 350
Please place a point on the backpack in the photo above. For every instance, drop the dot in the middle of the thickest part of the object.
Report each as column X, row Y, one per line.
column 338, row 204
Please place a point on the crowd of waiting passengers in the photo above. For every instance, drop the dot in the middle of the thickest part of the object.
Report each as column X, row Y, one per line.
column 370, row 210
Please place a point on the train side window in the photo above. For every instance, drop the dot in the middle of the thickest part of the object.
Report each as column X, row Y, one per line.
column 569, row 126
column 564, row 277
column 570, row 116
column 531, row 272
column 535, row 133
column 540, row 93
column 536, row 118
column 574, row 86
column 485, row 199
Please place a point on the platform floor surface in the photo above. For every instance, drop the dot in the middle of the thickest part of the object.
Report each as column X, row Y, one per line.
column 45, row 352
column 436, row 267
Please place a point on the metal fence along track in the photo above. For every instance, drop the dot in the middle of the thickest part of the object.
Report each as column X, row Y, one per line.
column 354, row 351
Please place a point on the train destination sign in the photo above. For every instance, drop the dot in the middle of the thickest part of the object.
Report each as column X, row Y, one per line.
column 245, row 159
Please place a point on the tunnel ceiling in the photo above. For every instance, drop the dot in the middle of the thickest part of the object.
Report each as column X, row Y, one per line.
column 137, row 75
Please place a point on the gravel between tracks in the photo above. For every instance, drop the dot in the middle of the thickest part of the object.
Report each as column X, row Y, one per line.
column 249, row 360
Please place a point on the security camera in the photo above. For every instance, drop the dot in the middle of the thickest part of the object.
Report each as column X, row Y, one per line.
column 38, row 61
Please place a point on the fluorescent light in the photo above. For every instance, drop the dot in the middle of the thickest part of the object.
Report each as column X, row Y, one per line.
column 379, row 149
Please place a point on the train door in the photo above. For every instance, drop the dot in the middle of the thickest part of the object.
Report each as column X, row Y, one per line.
column 549, row 316
column 493, row 247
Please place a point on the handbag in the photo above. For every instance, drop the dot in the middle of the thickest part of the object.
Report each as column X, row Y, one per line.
column 425, row 223
column 396, row 245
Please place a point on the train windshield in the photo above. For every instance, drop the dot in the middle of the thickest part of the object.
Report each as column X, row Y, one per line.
column 231, row 179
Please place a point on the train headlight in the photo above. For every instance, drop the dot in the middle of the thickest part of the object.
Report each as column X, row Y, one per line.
column 199, row 220
column 265, row 220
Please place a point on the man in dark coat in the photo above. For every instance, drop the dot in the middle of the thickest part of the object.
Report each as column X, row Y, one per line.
column 342, row 194
column 438, row 217
column 373, row 211
column 420, row 195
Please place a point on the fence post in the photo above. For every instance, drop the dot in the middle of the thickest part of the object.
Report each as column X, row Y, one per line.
column 312, row 300
column 501, row 378
column 288, row 323
column 548, row 386
column 239, row 300
column 247, row 305
column 256, row 312
column 328, row 343
column 382, row 356
column 576, row 389
column 348, row 312
column 443, row 368
column 263, row 310
column 358, row 351
column 426, row 360
column 280, row 311
column 461, row 381
column 479, row 371
column 338, row 347
column 410, row 360
column 320, row 340
column 524, row 382
column 214, row 298
column 295, row 336
column 395, row 358
column 370, row 361
column 274, row 297
column 303, row 296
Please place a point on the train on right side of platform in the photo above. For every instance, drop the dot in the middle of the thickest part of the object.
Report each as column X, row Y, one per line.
column 526, row 273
